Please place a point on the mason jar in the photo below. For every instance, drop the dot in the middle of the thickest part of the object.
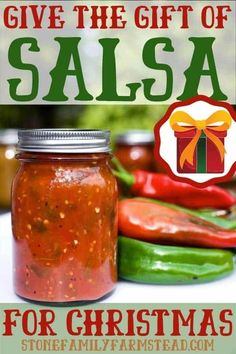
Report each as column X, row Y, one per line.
column 8, row 165
column 64, row 216
column 134, row 149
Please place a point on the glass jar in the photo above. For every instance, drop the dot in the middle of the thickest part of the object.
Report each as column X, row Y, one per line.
column 134, row 149
column 8, row 165
column 64, row 216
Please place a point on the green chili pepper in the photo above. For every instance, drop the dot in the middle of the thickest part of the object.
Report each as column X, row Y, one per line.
column 143, row 262
column 225, row 223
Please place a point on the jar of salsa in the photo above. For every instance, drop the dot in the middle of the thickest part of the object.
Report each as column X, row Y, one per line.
column 135, row 150
column 64, row 216
column 8, row 165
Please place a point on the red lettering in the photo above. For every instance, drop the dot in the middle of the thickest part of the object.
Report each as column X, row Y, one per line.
column 10, row 21
column 140, row 319
column 160, row 321
column 69, row 322
column 154, row 17
column 55, row 19
column 26, row 323
column 207, row 16
column 165, row 17
column 130, row 323
column 112, row 323
column 188, row 322
column 207, row 321
column 80, row 9
column 116, row 19
column 30, row 323
column 96, row 18
column 45, row 323
column 22, row 16
column 185, row 10
column 223, row 329
column 97, row 322
column 220, row 17
column 37, row 15
column 9, row 323
column 159, row 16
column 141, row 21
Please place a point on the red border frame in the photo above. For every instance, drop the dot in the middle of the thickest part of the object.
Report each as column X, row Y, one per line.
column 158, row 140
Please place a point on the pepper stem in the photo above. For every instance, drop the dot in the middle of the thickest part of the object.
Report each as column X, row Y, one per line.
column 118, row 165
column 127, row 178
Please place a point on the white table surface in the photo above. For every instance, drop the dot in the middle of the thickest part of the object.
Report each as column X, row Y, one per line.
column 222, row 291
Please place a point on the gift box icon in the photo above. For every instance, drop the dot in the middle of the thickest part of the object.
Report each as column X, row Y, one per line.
column 200, row 143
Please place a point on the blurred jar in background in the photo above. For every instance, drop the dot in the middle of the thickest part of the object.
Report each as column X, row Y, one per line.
column 8, row 165
column 135, row 150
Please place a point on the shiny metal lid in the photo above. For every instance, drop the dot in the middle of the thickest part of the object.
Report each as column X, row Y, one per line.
column 64, row 141
column 135, row 137
column 8, row 136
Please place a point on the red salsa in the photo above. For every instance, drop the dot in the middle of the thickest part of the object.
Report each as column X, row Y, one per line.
column 65, row 220
column 134, row 149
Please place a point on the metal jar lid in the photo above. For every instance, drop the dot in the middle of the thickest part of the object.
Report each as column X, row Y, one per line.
column 64, row 141
column 8, row 136
column 135, row 137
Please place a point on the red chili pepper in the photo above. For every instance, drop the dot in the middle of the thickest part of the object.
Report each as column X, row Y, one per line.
column 159, row 224
column 161, row 186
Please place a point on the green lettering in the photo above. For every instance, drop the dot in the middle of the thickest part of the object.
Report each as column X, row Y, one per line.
column 68, row 51
column 202, row 50
column 109, row 79
column 149, row 60
column 14, row 57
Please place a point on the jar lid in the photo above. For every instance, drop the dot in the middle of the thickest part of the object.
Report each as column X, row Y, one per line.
column 64, row 141
column 8, row 136
column 135, row 137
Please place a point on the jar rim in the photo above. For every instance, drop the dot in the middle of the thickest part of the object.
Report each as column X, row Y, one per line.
column 64, row 140
column 8, row 136
column 135, row 137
